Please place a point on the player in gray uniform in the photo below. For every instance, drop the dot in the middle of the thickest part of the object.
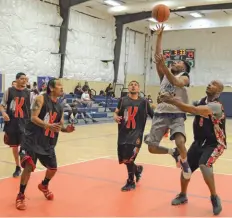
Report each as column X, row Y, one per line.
column 167, row 116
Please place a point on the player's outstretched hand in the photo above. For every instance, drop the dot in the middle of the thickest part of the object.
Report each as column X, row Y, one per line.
column 159, row 29
column 159, row 58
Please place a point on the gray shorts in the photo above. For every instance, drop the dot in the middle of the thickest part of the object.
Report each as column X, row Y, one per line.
column 160, row 126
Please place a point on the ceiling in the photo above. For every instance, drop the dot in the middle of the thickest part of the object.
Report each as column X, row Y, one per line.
column 135, row 6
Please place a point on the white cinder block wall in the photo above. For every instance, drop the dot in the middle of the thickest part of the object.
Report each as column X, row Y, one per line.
column 27, row 41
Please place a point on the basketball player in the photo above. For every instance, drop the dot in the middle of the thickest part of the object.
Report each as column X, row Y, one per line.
column 15, row 109
column 41, row 135
column 209, row 139
column 131, row 115
column 167, row 116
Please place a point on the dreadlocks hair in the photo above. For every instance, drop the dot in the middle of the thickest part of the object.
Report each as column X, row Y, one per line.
column 51, row 84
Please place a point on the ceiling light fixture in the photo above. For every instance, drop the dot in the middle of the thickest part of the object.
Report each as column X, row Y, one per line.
column 152, row 20
column 196, row 14
column 112, row 3
column 118, row 8
column 181, row 7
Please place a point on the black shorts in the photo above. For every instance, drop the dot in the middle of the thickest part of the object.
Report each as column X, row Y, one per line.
column 127, row 153
column 203, row 155
column 13, row 139
column 30, row 157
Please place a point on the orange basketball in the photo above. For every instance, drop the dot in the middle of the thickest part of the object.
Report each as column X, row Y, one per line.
column 161, row 13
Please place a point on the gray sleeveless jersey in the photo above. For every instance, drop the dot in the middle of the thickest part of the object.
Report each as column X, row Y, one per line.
column 180, row 93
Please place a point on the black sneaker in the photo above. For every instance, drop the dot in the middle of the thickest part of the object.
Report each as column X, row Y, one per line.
column 139, row 172
column 130, row 185
column 17, row 172
column 216, row 203
column 180, row 199
column 176, row 156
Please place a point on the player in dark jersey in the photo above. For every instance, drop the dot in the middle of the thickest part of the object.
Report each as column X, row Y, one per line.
column 15, row 109
column 131, row 116
column 209, row 140
column 41, row 135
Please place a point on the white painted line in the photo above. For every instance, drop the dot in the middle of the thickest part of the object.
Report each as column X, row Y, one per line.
column 168, row 166
column 65, row 165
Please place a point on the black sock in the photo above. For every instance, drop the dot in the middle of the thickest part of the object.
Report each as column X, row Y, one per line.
column 131, row 171
column 45, row 181
column 136, row 169
column 22, row 188
column 18, row 168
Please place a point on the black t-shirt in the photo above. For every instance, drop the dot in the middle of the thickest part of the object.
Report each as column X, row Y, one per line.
column 134, row 114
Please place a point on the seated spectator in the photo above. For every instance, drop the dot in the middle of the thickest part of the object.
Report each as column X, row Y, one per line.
column 109, row 90
column 76, row 110
column 86, row 86
column 102, row 93
column 149, row 99
column 67, row 108
column 78, row 90
column 85, row 99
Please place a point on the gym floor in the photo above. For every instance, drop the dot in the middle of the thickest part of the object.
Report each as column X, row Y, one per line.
column 89, row 180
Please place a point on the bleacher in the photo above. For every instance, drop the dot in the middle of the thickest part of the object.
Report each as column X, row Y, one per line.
column 102, row 109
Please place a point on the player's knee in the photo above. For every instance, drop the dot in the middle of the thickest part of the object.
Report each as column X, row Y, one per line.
column 28, row 168
column 52, row 170
column 205, row 168
column 179, row 139
column 152, row 148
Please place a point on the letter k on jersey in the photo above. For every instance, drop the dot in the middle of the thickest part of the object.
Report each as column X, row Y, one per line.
column 19, row 102
column 52, row 118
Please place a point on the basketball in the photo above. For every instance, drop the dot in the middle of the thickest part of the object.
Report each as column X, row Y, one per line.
column 161, row 13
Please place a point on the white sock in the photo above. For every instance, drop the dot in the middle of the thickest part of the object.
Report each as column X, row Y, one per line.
column 184, row 160
column 171, row 151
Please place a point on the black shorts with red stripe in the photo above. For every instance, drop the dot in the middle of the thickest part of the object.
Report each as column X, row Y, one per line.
column 13, row 139
column 200, row 154
column 127, row 153
column 30, row 157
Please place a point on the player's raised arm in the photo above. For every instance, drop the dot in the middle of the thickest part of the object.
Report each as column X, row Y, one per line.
column 158, row 49
column 180, row 67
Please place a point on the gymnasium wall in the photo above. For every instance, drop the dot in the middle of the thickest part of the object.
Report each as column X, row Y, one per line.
column 27, row 39
column 213, row 54
column 90, row 46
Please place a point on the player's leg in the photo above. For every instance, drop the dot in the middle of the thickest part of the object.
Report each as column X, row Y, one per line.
column 177, row 133
column 28, row 162
column 14, row 140
column 127, row 155
column 208, row 158
column 50, row 162
column 158, row 129
column 193, row 155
